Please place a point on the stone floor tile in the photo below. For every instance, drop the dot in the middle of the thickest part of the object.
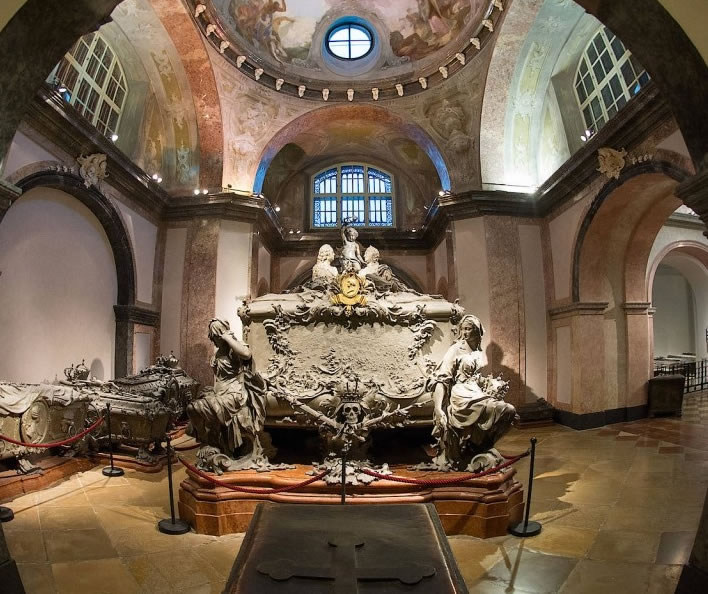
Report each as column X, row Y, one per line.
column 68, row 518
column 625, row 546
column 37, row 578
column 566, row 541
column 526, row 571
column 25, row 519
column 26, row 546
column 591, row 517
column 663, row 579
column 675, row 547
column 475, row 557
column 221, row 554
column 104, row 576
column 60, row 497
column 118, row 495
column 607, row 577
column 71, row 545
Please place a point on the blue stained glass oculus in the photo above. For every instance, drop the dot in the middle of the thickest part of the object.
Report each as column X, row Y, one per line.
column 350, row 41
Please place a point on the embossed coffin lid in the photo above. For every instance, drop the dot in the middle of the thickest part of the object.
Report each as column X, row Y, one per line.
column 353, row 548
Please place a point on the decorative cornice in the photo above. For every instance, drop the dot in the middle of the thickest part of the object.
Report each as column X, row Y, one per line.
column 136, row 315
column 627, row 129
column 578, row 309
column 61, row 124
column 686, row 221
column 636, row 307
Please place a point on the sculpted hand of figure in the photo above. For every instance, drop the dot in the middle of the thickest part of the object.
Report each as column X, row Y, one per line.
column 228, row 419
column 470, row 412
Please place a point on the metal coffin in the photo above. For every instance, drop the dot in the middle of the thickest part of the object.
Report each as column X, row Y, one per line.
column 136, row 419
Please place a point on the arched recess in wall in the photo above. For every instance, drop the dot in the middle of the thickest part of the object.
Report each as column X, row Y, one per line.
column 610, row 261
column 640, row 199
column 690, row 260
column 101, row 219
column 324, row 116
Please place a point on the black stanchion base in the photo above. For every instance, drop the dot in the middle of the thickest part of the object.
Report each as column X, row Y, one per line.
column 521, row 529
column 6, row 514
column 167, row 527
column 113, row 471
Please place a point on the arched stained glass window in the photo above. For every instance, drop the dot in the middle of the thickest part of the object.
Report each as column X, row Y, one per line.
column 352, row 192
column 95, row 82
column 608, row 76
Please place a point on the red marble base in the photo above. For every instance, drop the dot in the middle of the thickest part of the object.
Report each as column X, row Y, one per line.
column 483, row 508
column 52, row 470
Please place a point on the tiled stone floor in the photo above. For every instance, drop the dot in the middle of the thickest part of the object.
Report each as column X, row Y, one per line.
column 619, row 507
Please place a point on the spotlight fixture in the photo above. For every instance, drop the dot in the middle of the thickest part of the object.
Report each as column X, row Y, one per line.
column 277, row 209
column 298, row 231
column 205, row 191
column 587, row 136
column 114, row 137
column 154, row 176
column 62, row 89
column 196, row 192
column 159, row 180
column 413, row 230
column 291, row 231
column 441, row 193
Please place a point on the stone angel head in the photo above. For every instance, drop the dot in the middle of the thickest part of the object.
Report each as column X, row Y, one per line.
column 371, row 255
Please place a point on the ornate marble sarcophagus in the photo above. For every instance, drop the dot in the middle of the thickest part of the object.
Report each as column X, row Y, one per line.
column 137, row 420
column 356, row 323
column 179, row 388
column 39, row 413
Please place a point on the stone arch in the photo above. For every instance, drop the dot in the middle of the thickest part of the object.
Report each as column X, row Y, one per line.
column 323, row 115
column 653, row 171
column 694, row 249
column 107, row 215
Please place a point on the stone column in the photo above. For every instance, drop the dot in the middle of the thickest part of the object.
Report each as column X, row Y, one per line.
column 579, row 366
column 639, row 356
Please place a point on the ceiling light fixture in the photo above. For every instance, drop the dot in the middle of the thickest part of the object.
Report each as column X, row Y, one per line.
column 114, row 137
column 205, row 191
column 277, row 209
column 196, row 192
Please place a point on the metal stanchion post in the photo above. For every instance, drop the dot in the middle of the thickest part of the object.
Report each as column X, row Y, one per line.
column 344, row 475
column 171, row 525
column 527, row 528
column 111, row 470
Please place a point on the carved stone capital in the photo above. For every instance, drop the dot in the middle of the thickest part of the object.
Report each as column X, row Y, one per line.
column 579, row 309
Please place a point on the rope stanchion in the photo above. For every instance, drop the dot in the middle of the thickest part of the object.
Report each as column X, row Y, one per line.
column 527, row 528
column 252, row 490
column 443, row 482
column 55, row 444
column 171, row 525
column 111, row 470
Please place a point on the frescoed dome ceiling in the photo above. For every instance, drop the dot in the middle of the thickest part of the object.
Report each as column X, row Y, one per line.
column 287, row 39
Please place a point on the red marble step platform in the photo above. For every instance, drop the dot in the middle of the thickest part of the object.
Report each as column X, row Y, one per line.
column 52, row 469
column 125, row 460
column 482, row 507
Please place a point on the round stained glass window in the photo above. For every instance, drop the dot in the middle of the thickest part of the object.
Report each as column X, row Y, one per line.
column 349, row 41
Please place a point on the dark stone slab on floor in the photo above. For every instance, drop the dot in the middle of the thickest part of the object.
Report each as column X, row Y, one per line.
column 290, row 549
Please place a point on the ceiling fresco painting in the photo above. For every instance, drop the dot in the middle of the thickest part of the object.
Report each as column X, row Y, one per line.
column 285, row 28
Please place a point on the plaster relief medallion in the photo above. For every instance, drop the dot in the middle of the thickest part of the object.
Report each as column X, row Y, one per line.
column 92, row 169
column 611, row 161
column 447, row 118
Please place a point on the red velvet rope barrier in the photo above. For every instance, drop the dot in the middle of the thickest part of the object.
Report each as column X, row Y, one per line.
column 443, row 481
column 252, row 490
column 68, row 441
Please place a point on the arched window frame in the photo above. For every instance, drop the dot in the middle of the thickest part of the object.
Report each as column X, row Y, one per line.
column 95, row 82
column 607, row 77
column 335, row 196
